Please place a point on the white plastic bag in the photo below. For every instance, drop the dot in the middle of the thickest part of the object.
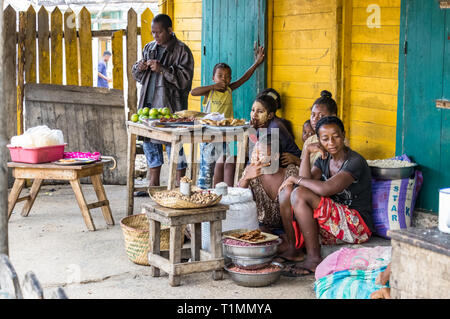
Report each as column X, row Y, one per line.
column 38, row 136
column 242, row 213
column 214, row 116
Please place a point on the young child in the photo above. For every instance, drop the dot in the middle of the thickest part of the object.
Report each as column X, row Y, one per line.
column 218, row 98
column 307, row 130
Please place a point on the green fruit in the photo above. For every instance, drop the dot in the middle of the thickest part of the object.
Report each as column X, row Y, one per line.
column 153, row 112
column 165, row 111
column 167, row 116
column 139, row 112
column 175, row 116
column 159, row 116
column 134, row 118
column 160, row 110
column 153, row 116
column 145, row 111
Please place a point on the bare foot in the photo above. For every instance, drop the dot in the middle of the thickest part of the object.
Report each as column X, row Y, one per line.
column 306, row 267
column 293, row 254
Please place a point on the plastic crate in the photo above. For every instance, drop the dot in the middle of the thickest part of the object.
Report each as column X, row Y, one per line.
column 35, row 155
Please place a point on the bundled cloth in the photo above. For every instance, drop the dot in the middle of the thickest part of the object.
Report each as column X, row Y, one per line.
column 351, row 273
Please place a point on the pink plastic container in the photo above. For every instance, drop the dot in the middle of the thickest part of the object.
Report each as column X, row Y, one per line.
column 35, row 155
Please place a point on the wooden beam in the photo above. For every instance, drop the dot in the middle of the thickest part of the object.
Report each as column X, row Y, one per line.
column 85, row 47
column 71, row 48
column 117, row 59
column 131, row 34
column 30, row 46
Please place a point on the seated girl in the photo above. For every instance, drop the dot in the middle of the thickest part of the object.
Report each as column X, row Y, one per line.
column 332, row 201
column 265, row 182
column 263, row 117
column 325, row 105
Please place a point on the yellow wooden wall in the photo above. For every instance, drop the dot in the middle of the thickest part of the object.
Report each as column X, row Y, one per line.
column 374, row 79
column 307, row 48
column 302, row 54
column 187, row 25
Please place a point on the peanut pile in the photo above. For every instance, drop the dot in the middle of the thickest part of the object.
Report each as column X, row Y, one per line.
column 197, row 197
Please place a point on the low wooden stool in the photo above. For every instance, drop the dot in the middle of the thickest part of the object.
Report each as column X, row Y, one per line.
column 175, row 218
column 71, row 173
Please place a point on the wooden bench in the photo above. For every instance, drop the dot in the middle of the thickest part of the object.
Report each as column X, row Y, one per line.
column 71, row 173
column 175, row 219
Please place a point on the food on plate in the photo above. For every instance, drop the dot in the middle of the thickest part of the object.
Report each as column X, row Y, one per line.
column 67, row 160
column 224, row 122
column 177, row 120
column 190, row 113
column 252, row 235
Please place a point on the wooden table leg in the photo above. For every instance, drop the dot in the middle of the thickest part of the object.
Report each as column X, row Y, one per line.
column 215, row 231
column 82, row 203
column 194, row 167
column 101, row 195
column 240, row 161
column 14, row 195
column 33, row 193
column 154, row 244
column 173, row 163
column 131, row 158
column 196, row 241
column 175, row 253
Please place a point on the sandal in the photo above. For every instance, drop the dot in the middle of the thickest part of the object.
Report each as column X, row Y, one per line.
column 292, row 271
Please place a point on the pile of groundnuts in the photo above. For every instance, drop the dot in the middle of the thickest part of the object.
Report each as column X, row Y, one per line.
column 389, row 163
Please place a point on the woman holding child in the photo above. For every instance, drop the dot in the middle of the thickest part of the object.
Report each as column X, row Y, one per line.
column 264, row 182
column 331, row 200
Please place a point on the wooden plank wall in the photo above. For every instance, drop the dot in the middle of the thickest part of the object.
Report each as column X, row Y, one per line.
column 374, row 79
column 303, row 32
column 187, row 25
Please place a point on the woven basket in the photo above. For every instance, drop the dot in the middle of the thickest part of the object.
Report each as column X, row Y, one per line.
column 179, row 203
column 135, row 230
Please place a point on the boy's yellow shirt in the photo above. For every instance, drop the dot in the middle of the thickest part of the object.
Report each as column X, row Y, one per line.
column 221, row 102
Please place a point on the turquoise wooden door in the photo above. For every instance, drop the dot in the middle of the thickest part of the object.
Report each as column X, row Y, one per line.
column 230, row 31
column 424, row 78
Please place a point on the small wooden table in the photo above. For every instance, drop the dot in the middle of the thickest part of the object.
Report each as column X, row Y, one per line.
column 71, row 173
column 175, row 218
column 177, row 138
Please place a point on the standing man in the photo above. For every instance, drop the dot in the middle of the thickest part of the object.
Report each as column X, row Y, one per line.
column 103, row 80
column 165, row 72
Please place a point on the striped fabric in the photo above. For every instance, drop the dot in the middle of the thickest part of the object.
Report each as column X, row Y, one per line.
column 348, row 284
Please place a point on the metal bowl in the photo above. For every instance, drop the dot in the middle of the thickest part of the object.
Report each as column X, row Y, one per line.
column 255, row 280
column 251, row 251
column 250, row 263
column 392, row 173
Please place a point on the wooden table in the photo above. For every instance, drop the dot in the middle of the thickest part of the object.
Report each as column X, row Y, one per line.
column 175, row 219
column 71, row 173
column 177, row 138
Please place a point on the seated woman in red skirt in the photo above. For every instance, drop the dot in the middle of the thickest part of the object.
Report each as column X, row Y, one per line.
column 331, row 202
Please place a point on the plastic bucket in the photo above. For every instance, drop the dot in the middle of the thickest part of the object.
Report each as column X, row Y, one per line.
column 444, row 210
column 35, row 155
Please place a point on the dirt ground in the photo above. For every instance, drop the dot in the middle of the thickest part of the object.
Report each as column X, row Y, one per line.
column 54, row 243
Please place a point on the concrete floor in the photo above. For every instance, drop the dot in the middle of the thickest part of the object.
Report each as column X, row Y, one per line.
column 54, row 243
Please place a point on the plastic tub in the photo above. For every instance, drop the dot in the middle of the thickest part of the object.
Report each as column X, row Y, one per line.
column 35, row 155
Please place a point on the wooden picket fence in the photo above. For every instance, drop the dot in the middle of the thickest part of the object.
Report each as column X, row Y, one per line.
column 51, row 31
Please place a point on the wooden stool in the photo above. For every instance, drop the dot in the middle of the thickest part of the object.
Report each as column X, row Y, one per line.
column 39, row 172
column 175, row 218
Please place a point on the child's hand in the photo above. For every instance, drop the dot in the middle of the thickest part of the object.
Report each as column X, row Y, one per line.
column 259, row 55
column 220, row 86
column 288, row 158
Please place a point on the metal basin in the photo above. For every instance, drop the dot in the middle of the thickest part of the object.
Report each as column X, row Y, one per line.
column 255, row 280
column 392, row 173
column 250, row 263
column 251, row 251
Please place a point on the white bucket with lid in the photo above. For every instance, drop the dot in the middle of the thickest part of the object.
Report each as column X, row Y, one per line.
column 444, row 210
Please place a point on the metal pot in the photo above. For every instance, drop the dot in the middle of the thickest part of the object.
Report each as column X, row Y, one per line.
column 251, row 251
column 250, row 263
column 392, row 173
column 255, row 280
